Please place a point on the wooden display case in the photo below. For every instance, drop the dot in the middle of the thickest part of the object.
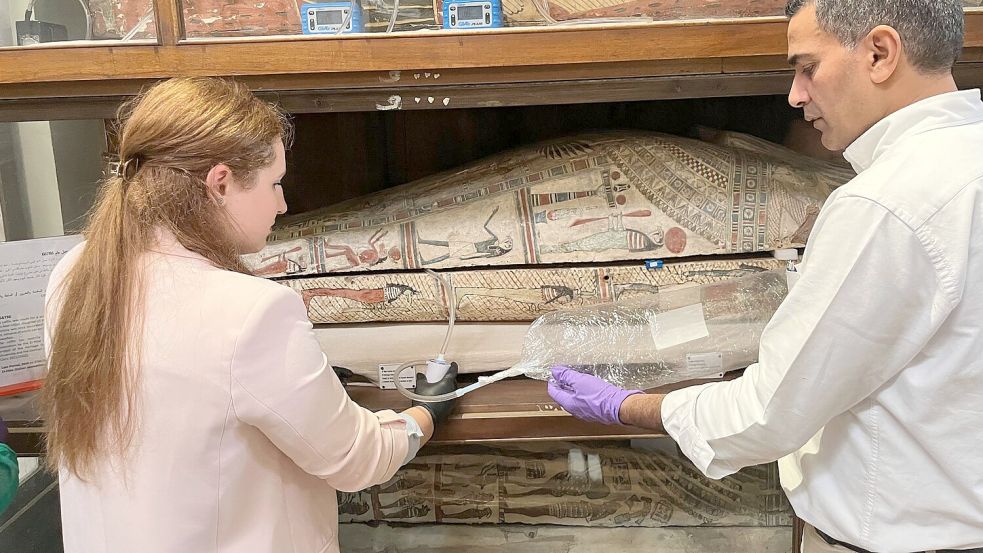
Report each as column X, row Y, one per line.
column 403, row 72
column 510, row 66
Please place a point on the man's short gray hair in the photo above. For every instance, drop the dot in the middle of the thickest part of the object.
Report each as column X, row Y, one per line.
column 931, row 30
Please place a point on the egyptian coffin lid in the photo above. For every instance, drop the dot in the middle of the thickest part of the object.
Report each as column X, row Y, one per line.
column 596, row 198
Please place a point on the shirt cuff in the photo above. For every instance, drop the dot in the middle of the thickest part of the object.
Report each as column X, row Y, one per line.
column 400, row 439
column 414, row 434
column 679, row 419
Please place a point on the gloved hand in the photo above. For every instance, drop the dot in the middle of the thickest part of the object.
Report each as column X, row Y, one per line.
column 587, row 397
column 438, row 411
column 3, row 431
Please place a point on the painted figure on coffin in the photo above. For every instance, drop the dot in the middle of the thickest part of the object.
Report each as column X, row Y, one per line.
column 502, row 294
column 489, row 245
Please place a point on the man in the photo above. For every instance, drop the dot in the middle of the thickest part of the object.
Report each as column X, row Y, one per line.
column 869, row 381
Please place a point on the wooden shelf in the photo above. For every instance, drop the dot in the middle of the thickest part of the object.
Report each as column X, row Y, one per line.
column 516, row 410
column 512, row 410
column 402, row 52
column 328, row 96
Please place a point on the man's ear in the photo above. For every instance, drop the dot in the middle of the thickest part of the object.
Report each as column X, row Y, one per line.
column 218, row 180
column 882, row 52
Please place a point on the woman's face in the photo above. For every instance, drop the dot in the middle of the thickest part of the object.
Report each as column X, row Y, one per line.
column 254, row 209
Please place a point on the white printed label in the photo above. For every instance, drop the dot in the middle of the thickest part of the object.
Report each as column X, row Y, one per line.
column 678, row 326
column 387, row 377
column 705, row 363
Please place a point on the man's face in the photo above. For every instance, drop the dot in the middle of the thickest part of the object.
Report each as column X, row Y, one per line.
column 831, row 84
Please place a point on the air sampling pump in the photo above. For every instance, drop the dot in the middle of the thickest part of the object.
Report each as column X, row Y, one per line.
column 438, row 366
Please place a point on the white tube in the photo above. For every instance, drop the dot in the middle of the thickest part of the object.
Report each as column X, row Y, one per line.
column 415, row 396
column 448, row 290
column 460, row 392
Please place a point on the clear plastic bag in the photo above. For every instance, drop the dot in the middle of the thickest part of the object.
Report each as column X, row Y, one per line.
column 668, row 337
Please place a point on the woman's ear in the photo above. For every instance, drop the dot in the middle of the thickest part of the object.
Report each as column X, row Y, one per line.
column 218, row 180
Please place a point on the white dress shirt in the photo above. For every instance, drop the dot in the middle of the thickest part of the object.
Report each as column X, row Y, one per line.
column 869, row 382
column 244, row 431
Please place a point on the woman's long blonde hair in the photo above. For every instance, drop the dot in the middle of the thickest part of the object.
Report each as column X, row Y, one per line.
column 171, row 136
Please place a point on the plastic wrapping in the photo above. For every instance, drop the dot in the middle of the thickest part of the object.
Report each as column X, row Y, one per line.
column 668, row 337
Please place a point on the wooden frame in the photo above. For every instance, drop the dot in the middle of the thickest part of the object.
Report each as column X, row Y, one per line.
column 532, row 416
column 751, row 47
column 330, row 95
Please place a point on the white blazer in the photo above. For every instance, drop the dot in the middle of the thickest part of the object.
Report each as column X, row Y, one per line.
column 244, row 432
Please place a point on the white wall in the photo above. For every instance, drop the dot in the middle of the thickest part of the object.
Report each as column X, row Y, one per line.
column 39, row 185
column 58, row 167
column 6, row 31
column 49, row 172
column 15, row 12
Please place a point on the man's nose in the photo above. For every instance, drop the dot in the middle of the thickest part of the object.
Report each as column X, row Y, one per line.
column 797, row 95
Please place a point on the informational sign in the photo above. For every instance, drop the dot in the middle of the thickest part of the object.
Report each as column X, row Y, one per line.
column 387, row 377
column 24, row 269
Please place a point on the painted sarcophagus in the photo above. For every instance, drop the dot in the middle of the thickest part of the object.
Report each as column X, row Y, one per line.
column 586, row 199
column 563, row 223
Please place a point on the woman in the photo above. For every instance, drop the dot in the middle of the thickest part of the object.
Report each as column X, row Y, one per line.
column 190, row 408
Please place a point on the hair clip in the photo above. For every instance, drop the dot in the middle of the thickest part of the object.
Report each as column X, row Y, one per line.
column 129, row 168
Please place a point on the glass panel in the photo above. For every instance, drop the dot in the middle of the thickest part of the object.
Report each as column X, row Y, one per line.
column 599, row 485
column 28, row 23
column 236, row 18
column 48, row 176
column 219, row 18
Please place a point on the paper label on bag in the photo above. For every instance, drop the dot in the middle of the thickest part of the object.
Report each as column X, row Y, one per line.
column 705, row 363
column 678, row 326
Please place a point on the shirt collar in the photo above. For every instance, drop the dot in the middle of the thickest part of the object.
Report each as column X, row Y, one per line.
column 943, row 110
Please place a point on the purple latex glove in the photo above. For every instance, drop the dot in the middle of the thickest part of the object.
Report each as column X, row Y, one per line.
column 587, row 397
